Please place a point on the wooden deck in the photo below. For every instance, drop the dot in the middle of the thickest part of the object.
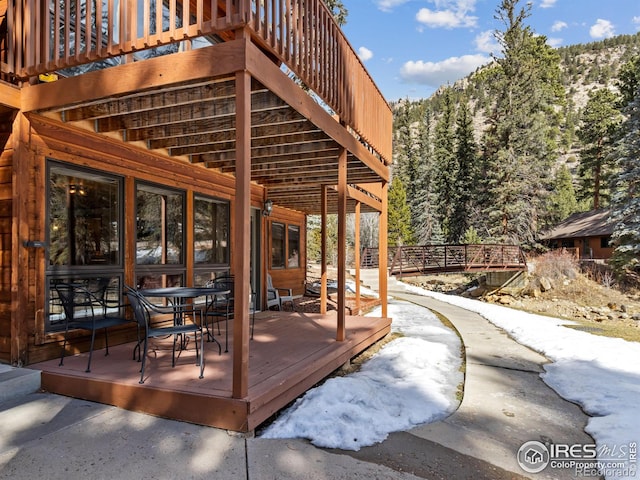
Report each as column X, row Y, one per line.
column 289, row 354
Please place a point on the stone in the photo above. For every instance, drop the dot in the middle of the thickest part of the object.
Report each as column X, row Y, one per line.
column 545, row 284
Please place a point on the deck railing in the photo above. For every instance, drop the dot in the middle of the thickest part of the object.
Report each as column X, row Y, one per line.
column 424, row 259
column 48, row 35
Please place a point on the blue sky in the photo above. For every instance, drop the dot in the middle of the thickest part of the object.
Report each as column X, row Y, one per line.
column 411, row 47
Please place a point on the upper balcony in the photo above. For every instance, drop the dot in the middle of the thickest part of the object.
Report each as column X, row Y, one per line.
column 300, row 36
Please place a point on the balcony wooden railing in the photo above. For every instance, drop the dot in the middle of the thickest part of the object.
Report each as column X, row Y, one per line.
column 49, row 35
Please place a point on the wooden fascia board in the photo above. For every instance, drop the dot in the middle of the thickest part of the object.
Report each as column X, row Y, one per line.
column 10, row 96
column 272, row 77
column 215, row 61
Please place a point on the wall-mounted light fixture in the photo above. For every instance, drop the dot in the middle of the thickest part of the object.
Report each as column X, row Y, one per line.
column 267, row 207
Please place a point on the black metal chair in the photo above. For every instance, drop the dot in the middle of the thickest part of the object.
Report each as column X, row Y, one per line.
column 87, row 310
column 220, row 306
column 144, row 311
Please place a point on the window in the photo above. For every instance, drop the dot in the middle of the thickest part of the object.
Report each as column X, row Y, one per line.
column 605, row 242
column 159, row 236
column 277, row 245
column 211, row 238
column 285, row 245
column 293, row 246
column 84, row 216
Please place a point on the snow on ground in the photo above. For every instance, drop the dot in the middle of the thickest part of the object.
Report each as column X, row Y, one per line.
column 600, row 374
column 412, row 380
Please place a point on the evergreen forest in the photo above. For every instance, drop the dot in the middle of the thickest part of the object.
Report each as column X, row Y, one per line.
column 522, row 143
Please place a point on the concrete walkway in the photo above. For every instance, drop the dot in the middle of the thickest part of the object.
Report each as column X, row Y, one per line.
column 505, row 404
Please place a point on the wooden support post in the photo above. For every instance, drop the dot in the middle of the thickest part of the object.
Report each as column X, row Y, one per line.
column 382, row 251
column 342, row 243
column 356, row 255
column 20, row 180
column 242, row 236
column 323, row 250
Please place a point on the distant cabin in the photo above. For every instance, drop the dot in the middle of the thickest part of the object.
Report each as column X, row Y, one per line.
column 589, row 233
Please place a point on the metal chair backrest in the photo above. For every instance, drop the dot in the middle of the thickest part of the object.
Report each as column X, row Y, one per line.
column 140, row 311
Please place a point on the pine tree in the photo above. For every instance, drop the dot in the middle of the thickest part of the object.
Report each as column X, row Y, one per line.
column 600, row 121
column 446, row 165
column 399, row 222
column 626, row 188
column 466, row 179
column 562, row 201
column 518, row 146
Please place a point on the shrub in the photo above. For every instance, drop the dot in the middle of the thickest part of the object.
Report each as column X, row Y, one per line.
column 557, row 264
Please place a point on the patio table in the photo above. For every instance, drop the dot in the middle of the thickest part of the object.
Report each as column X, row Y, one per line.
column 179, row 296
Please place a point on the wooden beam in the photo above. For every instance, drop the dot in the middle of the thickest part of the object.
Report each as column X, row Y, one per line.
column 220, row 60
column 356, row 256
column 20, row 233
column 361, row 197
column 382, row 250
column 10, row 95
column 323, row 249
column 281, row 85
column 342, row 245
column 242, row 236
column 142, row 101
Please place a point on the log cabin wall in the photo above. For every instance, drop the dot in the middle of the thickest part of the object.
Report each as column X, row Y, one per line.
column 49, row 139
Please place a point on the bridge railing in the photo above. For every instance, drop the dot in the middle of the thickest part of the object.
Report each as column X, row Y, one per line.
column 424, row 259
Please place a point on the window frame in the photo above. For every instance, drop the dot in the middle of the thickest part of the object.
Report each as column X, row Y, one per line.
column 79, row 273
column 177, row 272
column 203, row 272
column 286, row 245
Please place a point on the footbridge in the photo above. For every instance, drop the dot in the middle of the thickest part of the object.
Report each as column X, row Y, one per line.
column 410, row 260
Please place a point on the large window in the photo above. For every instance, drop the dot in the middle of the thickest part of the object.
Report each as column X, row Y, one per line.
column 84, row 218
column 211, row 238
column 84, row 230
column 159, row 236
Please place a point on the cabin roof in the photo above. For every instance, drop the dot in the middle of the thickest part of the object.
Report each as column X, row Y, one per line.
column 594, row 223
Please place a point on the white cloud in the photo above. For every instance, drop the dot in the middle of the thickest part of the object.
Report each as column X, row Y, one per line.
column 602, row 29
column 365, row 54
column 388, row 5
column 435, row 74
column 547, row 3
column 486, row 42
column 445, row 18
column 558, row 25
column 636, row 21
column 448, row 14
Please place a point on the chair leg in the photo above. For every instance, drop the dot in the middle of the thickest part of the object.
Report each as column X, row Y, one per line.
column 226, row 334
column 93, row 339
column 201, row 352
column 173, row 351
column 106, row 341
column 64, row 346
column 144, row 360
